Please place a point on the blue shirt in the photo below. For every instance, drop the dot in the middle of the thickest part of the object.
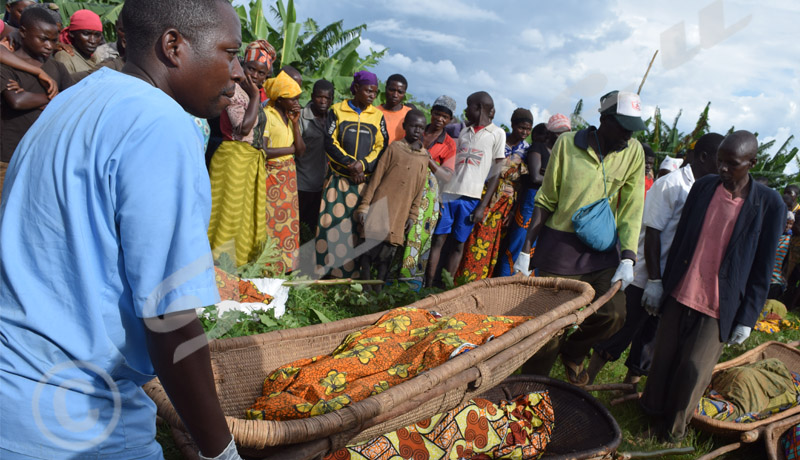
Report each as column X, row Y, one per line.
column 104, row 218
column 520, row 149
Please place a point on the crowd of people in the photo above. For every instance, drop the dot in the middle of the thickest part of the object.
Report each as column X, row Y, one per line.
column 111, row 219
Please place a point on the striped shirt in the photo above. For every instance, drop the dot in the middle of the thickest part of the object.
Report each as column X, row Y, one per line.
column 780, row 255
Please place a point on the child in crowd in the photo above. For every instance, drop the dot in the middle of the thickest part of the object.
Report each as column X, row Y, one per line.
column 394, row 110
column 390, row 203
column 22, row 93
column 480, row 145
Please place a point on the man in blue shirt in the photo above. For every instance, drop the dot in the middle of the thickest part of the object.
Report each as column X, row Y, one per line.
column 103, row 247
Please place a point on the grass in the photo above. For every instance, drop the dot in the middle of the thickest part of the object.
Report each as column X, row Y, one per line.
column 314, row 305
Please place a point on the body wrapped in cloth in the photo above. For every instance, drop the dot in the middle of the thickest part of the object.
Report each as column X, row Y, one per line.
column 404, row 343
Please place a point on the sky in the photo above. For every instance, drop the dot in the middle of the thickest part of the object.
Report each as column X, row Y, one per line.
column 741, row 56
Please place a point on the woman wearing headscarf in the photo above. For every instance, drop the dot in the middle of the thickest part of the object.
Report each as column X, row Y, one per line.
column 238, row 224
column 357, row 137
column 283, row 141
column 85, row 34
column 543, row 137
column 483, row 246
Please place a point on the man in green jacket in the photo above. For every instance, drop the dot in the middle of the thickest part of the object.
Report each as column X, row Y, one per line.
column 584, row 167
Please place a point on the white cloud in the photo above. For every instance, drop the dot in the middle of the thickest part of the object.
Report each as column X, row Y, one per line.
column 366, row 46
column 440, row 71
column 444, row 9
column 396, row 29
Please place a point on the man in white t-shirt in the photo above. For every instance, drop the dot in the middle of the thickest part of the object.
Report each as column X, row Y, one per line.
column 662, row 211
column 480, row 146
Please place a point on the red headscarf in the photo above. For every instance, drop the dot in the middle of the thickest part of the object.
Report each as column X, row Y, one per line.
column 81, row 20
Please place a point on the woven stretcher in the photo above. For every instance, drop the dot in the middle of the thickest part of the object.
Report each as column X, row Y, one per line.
column 241, row 364
column 769, row 428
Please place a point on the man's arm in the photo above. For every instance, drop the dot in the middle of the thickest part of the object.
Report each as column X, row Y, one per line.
column 24, row 100
column 631, row 205
column 755, row 293
column 652, row 253
column 188, row 381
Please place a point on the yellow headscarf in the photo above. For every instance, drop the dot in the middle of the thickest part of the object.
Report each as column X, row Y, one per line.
column 281, row 86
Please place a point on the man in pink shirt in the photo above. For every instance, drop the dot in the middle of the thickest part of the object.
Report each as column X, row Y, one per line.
column 715, row 281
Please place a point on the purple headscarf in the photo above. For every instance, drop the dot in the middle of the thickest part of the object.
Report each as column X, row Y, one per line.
column 363, row 77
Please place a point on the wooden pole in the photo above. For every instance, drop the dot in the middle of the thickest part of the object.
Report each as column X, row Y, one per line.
column 647, row 72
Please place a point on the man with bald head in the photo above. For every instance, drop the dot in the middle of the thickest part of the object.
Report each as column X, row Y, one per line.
column 715, row 281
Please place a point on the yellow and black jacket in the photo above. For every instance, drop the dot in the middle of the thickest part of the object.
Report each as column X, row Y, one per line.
column 355, row 137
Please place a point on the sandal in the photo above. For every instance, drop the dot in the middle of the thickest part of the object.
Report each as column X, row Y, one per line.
column 576, row 374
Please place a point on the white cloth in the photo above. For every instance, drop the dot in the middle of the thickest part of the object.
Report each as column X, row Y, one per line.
column 624, row 273
column 662, row 211
column 230, row 453
column 740, row 334
column 271, row 286
column 475, row 155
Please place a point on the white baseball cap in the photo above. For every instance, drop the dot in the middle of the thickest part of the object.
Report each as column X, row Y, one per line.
column 626, row 108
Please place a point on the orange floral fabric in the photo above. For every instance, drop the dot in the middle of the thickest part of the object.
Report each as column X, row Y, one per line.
column 234, row 288
column 477, row 430
column 402, row 344
column 283, row 222
column 483, row 245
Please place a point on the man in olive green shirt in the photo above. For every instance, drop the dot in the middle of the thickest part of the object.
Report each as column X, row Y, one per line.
column 575, row 178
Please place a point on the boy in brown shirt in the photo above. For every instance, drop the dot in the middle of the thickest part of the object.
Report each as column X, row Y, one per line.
column 395, row 188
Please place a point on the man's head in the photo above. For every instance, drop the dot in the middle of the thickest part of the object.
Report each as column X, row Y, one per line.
column 649, row 158
column 790, row 194
column 790, row 216
column 620, row 116
column 396, row 86
column 736, row 155
column 539, row 133
column 480, row 109
column 175, row 42
column 258, row 58
column 442, row 112
column 703, row 158
column 51, row 8
column 294, row 73
column 85, row 32
column 321, row 96
column 14, row 9
column 521, row 123
column 414, row 125
column 39, row 33
column 669, row 165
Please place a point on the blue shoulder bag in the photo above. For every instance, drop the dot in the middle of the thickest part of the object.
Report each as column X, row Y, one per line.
column 594, row 223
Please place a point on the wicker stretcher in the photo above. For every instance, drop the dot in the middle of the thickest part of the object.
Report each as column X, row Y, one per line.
column 771, row 428
column 241, row 364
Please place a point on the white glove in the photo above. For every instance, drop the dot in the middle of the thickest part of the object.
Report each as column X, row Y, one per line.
column 739, row 335
column 229, row 453
column 523, row 263
column 651, row 299
column 624, row 273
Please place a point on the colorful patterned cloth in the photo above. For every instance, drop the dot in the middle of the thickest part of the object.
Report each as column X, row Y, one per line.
column 238, row 201
column 516, row 234
column 404, row 343
column 482, row 248
column 282, row 210
column 411, row 262
column 790, row 442
column 336, row 235
column 234, row 288
column 751, row 392
column 780, row 256
column 477, row 429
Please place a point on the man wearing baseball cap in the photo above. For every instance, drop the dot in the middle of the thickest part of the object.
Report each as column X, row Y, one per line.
column 584, row 167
